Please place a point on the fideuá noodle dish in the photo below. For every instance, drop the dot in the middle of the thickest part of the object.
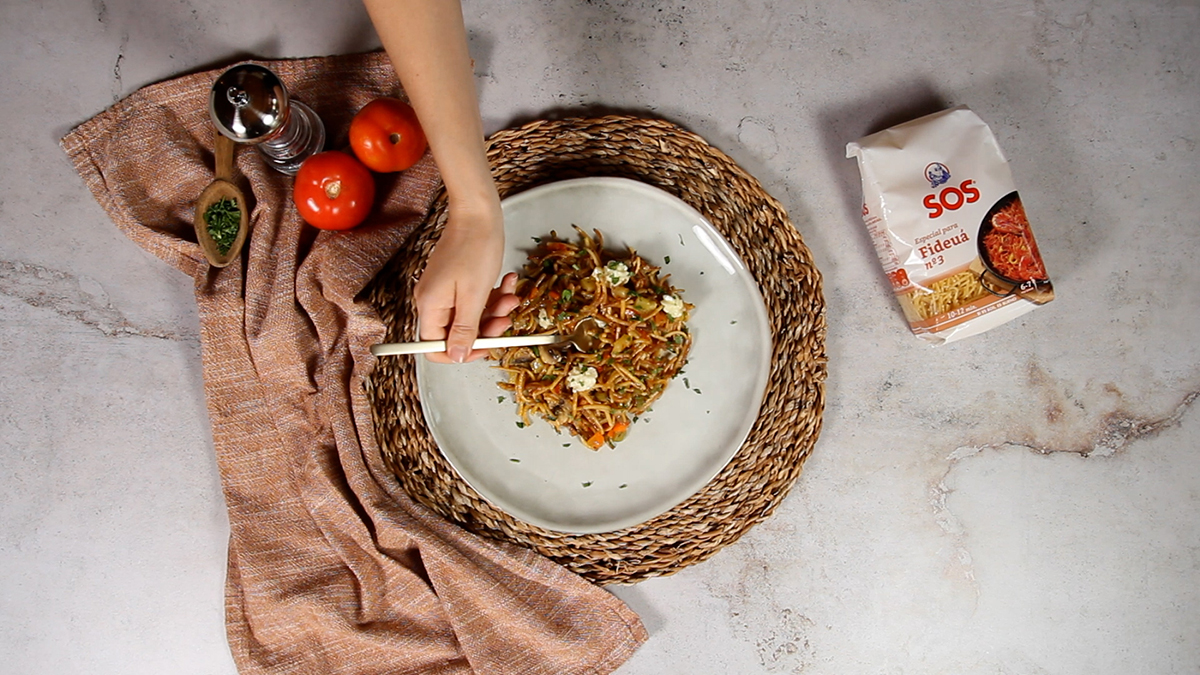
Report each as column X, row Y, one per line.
column 640, row 322
column 550, row 477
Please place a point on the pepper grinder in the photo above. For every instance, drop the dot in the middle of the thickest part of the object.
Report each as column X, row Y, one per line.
column 249, row 104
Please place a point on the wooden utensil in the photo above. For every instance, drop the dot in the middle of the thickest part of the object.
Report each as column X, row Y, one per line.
column 583, row 338
column 221, row 188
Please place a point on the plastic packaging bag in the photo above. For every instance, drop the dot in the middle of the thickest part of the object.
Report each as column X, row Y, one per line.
column 948, row 225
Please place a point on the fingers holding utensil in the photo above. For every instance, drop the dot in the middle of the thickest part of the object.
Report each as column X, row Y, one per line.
column 493, row 321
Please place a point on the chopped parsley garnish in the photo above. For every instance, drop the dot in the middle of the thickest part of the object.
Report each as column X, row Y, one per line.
column 223, row 219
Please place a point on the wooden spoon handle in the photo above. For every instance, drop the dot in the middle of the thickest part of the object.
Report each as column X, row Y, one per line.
column 394, row 348
column 223, row 156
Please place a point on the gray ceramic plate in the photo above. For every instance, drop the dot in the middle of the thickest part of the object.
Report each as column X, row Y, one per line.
column 555, row 481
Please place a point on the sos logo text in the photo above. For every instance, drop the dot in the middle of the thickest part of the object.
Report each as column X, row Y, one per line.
column 950, row 198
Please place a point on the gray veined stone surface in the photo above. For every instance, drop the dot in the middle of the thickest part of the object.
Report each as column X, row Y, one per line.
column 1024, row 502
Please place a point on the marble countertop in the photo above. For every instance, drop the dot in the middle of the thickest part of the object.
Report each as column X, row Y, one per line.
column 1026, row 501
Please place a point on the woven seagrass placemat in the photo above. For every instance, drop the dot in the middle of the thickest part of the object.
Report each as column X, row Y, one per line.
column 758, row 477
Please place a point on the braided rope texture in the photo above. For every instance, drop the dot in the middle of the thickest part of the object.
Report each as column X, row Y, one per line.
column 759, row 476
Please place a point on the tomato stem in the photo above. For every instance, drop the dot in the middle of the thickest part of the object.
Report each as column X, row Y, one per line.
column 333, row 188
column 395, row 138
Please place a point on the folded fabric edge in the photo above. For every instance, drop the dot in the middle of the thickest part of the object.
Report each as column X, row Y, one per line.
column 77, row 145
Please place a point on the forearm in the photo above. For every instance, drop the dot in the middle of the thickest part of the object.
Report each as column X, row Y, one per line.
column 427, row 44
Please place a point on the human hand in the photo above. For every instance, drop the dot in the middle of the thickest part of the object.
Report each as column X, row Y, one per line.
column 454, row 297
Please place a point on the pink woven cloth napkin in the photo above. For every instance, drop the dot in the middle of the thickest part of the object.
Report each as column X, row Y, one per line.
column 332, row 568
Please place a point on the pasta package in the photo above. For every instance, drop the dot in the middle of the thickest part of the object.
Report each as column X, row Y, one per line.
column 948, row 225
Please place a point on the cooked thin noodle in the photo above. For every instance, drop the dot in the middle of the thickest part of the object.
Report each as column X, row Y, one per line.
column 641, row 346
column 1010, row 245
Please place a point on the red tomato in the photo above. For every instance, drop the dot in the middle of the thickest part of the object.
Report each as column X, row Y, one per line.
column 333, row 191
column 386, row 135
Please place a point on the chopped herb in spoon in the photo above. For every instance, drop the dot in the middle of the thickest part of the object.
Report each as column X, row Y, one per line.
column 223, row 219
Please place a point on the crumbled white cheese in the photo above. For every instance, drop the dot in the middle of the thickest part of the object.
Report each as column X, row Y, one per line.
column 673, row 306
column 543, row 319
column 615, row 273
column 582, row 378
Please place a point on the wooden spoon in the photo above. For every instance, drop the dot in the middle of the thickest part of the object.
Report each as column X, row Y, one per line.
column 583, row 338
column 221, row 188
